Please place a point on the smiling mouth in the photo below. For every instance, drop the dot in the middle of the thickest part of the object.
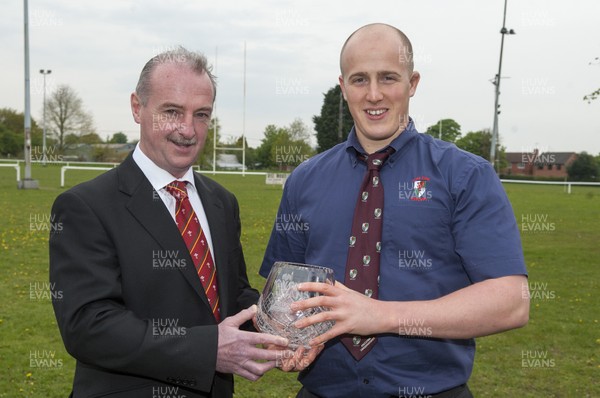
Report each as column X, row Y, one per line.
column 375, row 112
column 183, row 142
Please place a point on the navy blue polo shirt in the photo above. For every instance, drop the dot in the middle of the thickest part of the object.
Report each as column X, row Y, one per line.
column 447, row 223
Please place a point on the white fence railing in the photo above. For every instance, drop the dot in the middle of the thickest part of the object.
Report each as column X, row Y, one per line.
column 16, row 166
column 566, row 184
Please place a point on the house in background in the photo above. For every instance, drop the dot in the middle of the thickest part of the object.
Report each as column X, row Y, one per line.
column 535, row 164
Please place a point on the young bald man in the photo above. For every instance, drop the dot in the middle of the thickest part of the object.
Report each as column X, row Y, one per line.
column 420, row 234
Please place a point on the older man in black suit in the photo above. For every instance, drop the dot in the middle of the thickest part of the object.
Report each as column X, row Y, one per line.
column 149, row 258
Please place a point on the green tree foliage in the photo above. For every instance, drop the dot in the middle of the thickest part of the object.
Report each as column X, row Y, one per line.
column 584, row 168
column 327, row 123
column 65, row 114
column 118, row 138
column 284, row 147
column 12, row 126
column 479, row 143
column 450, row 130
column 592, row 96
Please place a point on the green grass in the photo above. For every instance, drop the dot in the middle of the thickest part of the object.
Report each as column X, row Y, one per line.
column 563, row 264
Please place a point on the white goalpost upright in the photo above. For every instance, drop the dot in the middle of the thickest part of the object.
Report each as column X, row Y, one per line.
column 243, row 148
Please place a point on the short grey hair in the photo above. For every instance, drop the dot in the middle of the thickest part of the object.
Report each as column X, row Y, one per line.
column 192, row 59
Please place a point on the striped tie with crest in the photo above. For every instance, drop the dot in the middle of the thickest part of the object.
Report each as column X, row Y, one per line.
column 195, row 240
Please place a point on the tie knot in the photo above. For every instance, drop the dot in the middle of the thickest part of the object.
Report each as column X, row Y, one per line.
column 177, row 189
column 376, row 160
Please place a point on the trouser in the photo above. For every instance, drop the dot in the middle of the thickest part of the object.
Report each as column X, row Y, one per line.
column 456, row 392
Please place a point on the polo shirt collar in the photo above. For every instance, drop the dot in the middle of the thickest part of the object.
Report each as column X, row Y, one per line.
column 353, row 146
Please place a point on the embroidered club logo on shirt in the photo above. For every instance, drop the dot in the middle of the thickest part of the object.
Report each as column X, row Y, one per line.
column 420, row 188
column 416, row 189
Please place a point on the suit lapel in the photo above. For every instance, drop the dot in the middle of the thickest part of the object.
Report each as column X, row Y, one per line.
column 150, row 211
column 215, row 214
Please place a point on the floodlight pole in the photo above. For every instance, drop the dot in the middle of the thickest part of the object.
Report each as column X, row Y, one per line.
column 496, row 83
column 27, row 182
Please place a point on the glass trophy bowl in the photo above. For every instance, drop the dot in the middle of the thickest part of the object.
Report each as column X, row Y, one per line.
column 274, row 315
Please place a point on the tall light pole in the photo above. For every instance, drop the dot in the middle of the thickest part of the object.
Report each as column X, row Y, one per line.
column 496, row 83
column 44, row 72
column 27, row 182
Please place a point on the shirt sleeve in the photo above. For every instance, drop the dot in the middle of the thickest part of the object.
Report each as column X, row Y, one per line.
column 285, row 244
column 484, row 226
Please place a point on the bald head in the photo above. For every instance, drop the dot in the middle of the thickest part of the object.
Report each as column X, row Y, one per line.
column 373, row 34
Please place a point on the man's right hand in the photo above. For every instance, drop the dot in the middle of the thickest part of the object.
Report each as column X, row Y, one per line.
column 237, row 352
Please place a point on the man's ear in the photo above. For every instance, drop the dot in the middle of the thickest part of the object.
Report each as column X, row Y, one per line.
column 414, row 82
column 341, row 80
column 136, row 106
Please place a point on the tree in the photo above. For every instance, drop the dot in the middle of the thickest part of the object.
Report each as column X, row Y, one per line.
column 299, row 131
column 479, row 143
column 592, row 96
column 65, row 114
column 284, row 147
column 327, row 123
column 12, row 126
column 450, row 130
column 584, row 168
column 118, row 138
column 272, row 135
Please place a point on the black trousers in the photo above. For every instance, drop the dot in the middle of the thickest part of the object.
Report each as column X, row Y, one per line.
column 456, row 392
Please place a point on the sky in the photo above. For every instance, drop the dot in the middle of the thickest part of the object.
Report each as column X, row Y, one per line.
column 292, row 58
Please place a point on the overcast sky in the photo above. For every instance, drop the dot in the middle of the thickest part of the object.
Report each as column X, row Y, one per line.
column 98, row 48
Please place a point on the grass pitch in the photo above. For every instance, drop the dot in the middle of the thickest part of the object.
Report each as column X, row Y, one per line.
column 556, row 355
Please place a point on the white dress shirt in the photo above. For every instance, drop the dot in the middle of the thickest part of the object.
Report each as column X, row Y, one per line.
column 160, row 178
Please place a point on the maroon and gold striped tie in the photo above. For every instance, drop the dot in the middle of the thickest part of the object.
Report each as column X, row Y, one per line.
column 196, row 242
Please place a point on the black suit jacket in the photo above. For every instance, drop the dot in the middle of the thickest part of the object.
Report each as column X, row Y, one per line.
column 133, row 312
